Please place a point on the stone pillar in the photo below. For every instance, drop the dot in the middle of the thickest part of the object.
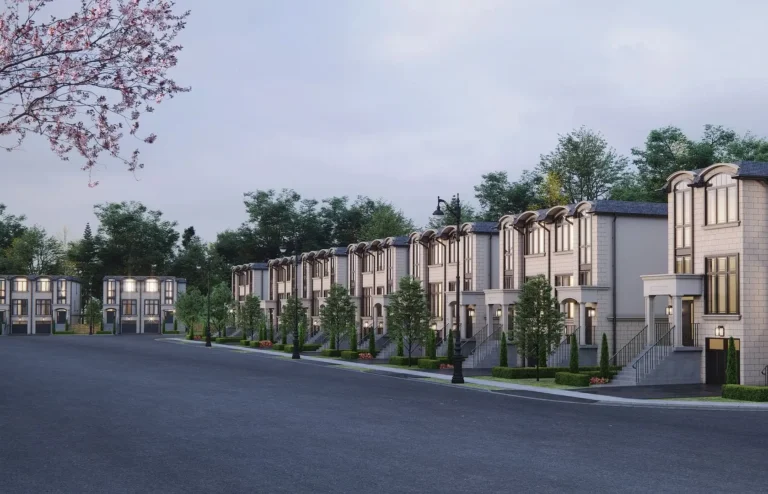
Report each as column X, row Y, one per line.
column 650, row 319
column 384, row 311
column 677, row 314
column 375, row 321
column 582, row 323
column 490, row 315
column 505, row 318
column 463, row 321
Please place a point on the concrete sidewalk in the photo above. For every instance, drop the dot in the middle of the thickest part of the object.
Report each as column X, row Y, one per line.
column 530, row 392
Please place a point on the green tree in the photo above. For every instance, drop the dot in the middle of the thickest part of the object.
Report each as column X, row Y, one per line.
column 175, row 325
column 220, row 307
column 11, row 227
column 539, row 323
column 431, row 345
column 337, row 315
column 605, row 370
column 550, row 192
column 288, row 318
column 92, row 313
column 302, row 330
column 731, row 364
column 385, row 221
column 584, row 164
column 372, row 344
column 468, row 213
column 400, row 347
column 35, row 252
column 271, row 332
column 190, row 308
column 451, row 347
column 574, row 363
column 409, row 316
column 352, row 338
column 498, row 196
column 85, row 256
column 252, row 314
column 503, row 360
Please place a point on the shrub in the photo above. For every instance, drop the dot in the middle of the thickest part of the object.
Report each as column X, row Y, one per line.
column 396, row 360
column 63, row 332
column 571, row 379
column 310, row 347
column 175, row 325
column 574, row 363
column 278, row 346
column 503, row 351
column 255, row 344
column 66, row 326
column 227, row 339
column 245, row 342
column 330, row 352
column 164, row 332
column 446, row 366
column 731, row 364
column 400, row 348
column 446, row 360
column 265, row 344
column 352, row 342
column 104, row 332
column 451, row 347
column 372, row 345
column 598, row 373
column 190, row 336
column 604, row 370
column 544, row 372
column 746, row 393
column 428, row 363
column 598, row 380
column 349, row 354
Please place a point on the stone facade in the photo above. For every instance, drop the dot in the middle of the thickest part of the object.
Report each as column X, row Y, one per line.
column 21, row 313
column 141, row 304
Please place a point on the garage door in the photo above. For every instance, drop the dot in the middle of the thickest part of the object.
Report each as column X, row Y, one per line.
column 152, row 327
column 129, row 327
column 42, row 328
column 19, row 328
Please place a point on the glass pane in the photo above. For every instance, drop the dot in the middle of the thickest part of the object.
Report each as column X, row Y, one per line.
column 733, row 207
column 733, row 282
column 721, row 292
column 688, row 266
column 679, row 208
column 732, row 263
column 721, row 205
column 711, row 207
column 687, row 237
column 687, row 207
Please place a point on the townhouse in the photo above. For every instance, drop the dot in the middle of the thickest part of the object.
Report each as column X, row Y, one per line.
column 375, row 269
column 38, row 304
column 141, row 304
column 593, row 254
column 715, row 282
column 250, row 279
column 319, row 271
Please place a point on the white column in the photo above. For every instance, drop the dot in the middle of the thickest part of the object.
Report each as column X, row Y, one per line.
column 650, row 319
column 677, row 314
column 582, row 323
column 463, row 321
column 505, row 318
column 375, row 321
column 384, row 311
column 489, row 317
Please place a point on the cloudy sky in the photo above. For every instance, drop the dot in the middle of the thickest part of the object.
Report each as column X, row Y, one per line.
column 407, row 99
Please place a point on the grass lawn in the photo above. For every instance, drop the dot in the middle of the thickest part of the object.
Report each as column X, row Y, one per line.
column 465, row 385
column 413, row 367
column 542, row 383
column 710, row 398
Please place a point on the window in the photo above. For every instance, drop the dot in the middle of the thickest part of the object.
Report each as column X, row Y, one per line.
column 451, row 286
column 20, row 285
column 585, row 277
column 508, row 258
column 436, row 299
column 379, row 261
column 333, row 268
column 367, row 263
column 390, row 269
column 2, row 292
column 42, row 307
column 564, row 280
column 469, row 250
column 43, row 285
column 352, row 270
column 585, row 240
column 151, row 286
column 453, row 255
column 111, row 291
column 683, row 265
column 534, row 239
column 570, row 310
column 129, row 307
column 61, row 292
column 435, row 253
column 326, row 267
column 683, row 227
column 20, row 307
column 168, row 293
column 129, row 285
column 151, row 307
column 367, row 305
column 326, row 293
column 722, row 287
column 379, row 290
column 316, row 303
column 722, row 200
column 563, row 235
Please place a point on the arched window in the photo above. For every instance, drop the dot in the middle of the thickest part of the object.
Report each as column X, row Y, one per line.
column 585, row 249
column 722, row 200
column 507, row 238
column 534, row 238
column 683, row 227
column 563, row 235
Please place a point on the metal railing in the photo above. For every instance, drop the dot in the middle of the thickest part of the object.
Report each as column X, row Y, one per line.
column 765, row 373
column 659, row 329
column 629, row 351
column 562, row 351
column 484, row 348
column 693, row 338
column 655, row 354
column 589, row 336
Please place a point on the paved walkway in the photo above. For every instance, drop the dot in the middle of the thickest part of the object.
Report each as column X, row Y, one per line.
column 532, row 392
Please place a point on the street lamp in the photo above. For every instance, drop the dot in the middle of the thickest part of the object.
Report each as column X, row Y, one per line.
column 455, row 210
column 208, row 305
column 296, row 355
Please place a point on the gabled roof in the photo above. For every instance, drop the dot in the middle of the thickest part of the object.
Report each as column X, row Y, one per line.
column 253, row 265
column 397, row 241
column 755, row 170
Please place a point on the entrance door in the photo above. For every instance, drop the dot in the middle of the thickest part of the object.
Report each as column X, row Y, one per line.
column 688, row 323
column 2, row 321
column 716, row 355
column 61, row 317
column 470, row 315
column 588, row 332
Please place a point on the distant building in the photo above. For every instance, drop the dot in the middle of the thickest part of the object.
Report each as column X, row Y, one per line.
column 141, row 304
column 38, row 304
column 250, row 279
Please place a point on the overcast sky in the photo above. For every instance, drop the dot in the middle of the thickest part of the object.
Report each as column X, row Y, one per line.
column 406, row 99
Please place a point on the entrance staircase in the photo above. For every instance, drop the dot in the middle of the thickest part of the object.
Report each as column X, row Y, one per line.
column 561, row 356
column 485, row 353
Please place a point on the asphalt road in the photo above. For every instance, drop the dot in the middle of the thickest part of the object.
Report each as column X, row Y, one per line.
column 106, row 414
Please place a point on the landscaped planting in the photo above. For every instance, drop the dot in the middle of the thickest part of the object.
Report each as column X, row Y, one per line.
column 255, row 344
column 530, row 372
column 426, row 363
column 104, row 332
column 278, row 346
column 63, row 332
column 404, row 360
column 571, row 379
column 330, row 353
column 245, row 342
column 349, row 354
column 365, row 356
column 746, row 393
column 227, row 339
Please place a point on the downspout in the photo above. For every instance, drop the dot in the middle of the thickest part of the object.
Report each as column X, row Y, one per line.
column 613, row 276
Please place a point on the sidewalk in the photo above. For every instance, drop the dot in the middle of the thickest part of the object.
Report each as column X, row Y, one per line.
column 531, row 392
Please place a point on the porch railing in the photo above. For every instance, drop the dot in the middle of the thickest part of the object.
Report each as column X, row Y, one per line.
column 563, row 349
column 629, row 351
column 765, row 373
column 660, row 328
column 655, row 354
column 589, row 336
column 484, row 348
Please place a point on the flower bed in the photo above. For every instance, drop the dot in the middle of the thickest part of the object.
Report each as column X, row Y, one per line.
column 446, row 366
column 599, row 380
column 264, row 344
column 365, row 356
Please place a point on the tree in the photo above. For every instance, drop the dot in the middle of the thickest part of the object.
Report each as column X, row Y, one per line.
column 605, row 370
column 503, row 361
column 731, row 364
column 220, row 307
column 175, row 325
column 35, row 253
column 252, row 314
column 11, row 227
column 539, row 323
column 386, row 221
column 92, row 312
column 337, row 315
column 451, row 347
column 302, row 330
column 190, row 307
column 468, row 213
column 372, row 344
column 550, row 191
column 187, row 236
column 574, row 363
column 352, row 338
column 584, row 164
column 498, row 196
column 81, row 81
column 84, row 255
column 409, row 316
column 288, row 318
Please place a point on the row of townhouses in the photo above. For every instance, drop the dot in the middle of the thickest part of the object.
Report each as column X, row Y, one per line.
column 666, row 283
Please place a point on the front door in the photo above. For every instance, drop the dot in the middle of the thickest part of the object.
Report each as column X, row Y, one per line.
column 469, row 317
column 716, row 355
column 688, row 323
column 589, row 321
column 61, row 317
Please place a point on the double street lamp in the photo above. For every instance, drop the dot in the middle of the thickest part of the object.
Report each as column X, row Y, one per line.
column 296, row 350
column 455, row 209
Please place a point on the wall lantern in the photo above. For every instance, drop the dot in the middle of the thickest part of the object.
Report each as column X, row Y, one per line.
column 498, row 312
column 591, row 312
column 669, row 310
column 720, row 331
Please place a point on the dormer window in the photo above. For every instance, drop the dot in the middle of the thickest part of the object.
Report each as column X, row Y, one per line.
column 20, row 285
column 722, row 200
column 151, row 286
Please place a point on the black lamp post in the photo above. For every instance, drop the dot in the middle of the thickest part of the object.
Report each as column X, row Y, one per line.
column 208, row 323
column 455, row 210
column 296, row 350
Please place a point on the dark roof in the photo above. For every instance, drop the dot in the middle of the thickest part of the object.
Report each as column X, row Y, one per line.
column 752, row 169
column 483, row 226
column 399, row 241
column 250, row 265
column 338, row 251
column 41, row 276
column 629, row 208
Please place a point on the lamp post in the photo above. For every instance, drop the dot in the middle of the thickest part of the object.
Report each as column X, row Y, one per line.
column 455, row 210
column 296, row 355
column 208, row 305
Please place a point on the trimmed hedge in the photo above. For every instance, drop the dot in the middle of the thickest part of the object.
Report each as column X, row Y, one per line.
column 310, row 347
column 426, row 363
column 598, row 373
column 63, row 332
column 530, row 372
column 228, row 339
column 255, row 344
column 571, row 379
column 103, row 332
column 330, row 353
column 404, row 360
column 278, row 346
column 245, row 342
column 350, row 354
column 746, row 393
